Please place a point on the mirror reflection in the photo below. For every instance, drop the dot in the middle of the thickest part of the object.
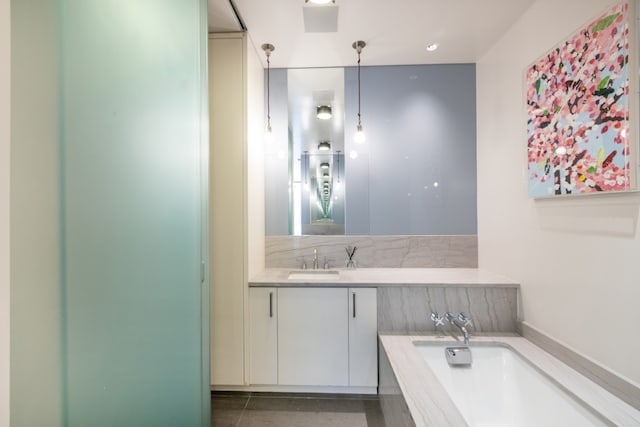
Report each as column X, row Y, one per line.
column 316, row 133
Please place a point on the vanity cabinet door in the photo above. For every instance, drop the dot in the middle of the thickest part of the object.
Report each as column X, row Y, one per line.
column 263, row 338
column 313, row 336
column 363, row 337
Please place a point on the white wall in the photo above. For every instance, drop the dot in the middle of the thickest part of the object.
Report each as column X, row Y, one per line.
column 5, row 102
column 577, row 259
column 255, row 159
column 36, row 359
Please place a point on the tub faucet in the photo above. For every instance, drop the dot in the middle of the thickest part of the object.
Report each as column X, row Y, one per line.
column 461, row 322
column 437, row 319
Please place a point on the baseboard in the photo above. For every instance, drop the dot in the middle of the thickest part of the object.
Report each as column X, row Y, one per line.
column 615, row 384
column 297, row 389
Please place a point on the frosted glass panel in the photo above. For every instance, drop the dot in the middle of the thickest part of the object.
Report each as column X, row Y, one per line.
column 132, row 117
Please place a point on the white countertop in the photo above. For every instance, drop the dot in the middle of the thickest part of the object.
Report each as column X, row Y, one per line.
column 462, row 277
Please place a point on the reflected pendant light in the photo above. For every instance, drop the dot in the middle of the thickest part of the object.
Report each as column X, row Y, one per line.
column 324, row 146
column 268, row 134
column 323, row 112
column 359, row 136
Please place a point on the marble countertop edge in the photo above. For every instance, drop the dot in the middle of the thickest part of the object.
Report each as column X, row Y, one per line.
column 437, row 277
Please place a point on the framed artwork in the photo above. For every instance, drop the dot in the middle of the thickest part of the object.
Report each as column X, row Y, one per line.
column 578, row 136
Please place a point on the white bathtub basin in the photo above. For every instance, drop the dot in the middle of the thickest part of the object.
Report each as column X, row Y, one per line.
column 416, row 382
column 314, row 275
column 502, row 389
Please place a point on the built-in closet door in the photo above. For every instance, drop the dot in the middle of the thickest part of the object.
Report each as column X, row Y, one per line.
column 133, row 133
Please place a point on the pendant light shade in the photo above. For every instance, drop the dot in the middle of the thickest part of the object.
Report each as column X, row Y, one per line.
column 359, row 136
column 268, row 134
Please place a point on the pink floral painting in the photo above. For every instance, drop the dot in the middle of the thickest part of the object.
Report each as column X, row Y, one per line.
column 578, row 111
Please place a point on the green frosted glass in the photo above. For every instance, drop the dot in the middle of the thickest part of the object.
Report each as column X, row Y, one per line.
column 133, row 88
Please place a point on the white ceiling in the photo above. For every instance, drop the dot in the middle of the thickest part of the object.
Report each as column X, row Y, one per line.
column 396, row 31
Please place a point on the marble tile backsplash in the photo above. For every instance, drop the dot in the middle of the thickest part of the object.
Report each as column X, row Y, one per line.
column 374, row 251
column 407, row 309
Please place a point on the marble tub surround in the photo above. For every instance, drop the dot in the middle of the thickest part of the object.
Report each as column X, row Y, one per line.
column 394, row 407
column 429, row 404
column 407, row 309
column 605, row 378
column 458, row 251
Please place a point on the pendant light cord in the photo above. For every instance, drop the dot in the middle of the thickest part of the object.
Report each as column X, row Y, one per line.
column 268, row 48
column 268, row 91
column 359, row 122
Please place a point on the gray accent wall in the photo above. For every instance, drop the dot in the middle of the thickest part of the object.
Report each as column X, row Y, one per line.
column 416, row 173
column 277, row 158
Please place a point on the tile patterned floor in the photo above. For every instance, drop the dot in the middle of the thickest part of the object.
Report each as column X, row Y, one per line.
column 294, row 410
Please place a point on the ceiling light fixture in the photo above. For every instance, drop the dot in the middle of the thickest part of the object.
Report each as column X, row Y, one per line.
column 359, row 136
column 432, row 47
column 323, row 112
column 324, row 146
column 268, row 134
column 324, row 165
column 320, row 1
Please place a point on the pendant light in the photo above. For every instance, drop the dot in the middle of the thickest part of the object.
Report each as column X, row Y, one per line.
column 268, row 134
column 359, row 136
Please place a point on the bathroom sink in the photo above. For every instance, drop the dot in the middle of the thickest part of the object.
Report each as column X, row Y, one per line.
column 314, row 275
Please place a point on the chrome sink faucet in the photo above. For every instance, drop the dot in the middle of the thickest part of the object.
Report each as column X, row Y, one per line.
column 461, row 322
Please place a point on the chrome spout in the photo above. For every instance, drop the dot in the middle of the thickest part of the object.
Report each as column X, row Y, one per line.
column 460, row 325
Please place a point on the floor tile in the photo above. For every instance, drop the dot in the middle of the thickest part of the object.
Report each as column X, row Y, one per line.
column 226, row 418
column 291, row 404
column 301, row 419
column 227, row 402
column 230, row 409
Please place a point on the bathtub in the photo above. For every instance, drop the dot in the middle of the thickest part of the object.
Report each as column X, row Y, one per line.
column 511, row 382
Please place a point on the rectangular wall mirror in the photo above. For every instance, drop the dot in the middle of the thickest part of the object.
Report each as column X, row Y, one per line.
column 414, row 175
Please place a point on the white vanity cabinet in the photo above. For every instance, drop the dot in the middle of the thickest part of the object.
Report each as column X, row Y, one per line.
column 263, row 335
column 311, row 338
column 363, row 337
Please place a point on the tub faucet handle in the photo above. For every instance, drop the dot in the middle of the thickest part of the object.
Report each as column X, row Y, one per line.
column 464, row 319
column 437, row 319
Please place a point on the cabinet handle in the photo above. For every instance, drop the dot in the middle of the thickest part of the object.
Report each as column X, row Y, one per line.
column 354, row 304
column 270, row 304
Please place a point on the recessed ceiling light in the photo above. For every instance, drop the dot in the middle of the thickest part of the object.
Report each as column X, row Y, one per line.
column 433, row 46
column 320, row 1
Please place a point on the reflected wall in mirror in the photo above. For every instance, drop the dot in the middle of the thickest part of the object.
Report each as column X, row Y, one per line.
column 415, row 174
column 322, row 194
column 315, row 103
